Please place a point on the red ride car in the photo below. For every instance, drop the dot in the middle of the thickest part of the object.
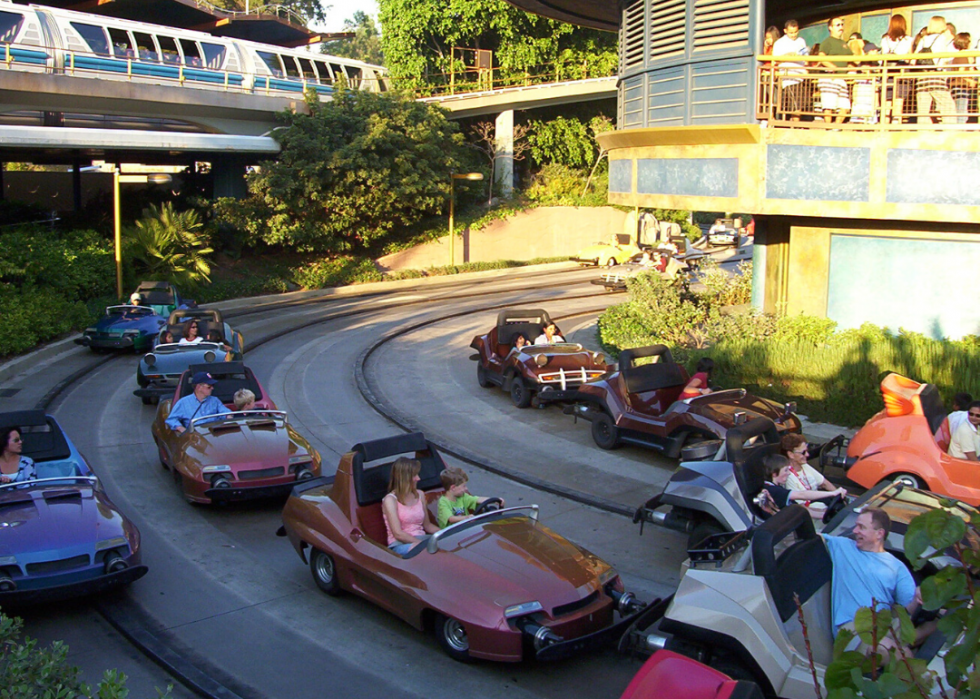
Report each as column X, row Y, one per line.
column 668, row 675
column 497, row 586
column 907, row 442
column 552, row 370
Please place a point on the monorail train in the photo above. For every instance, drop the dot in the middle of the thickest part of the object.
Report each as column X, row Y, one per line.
column 51, row 40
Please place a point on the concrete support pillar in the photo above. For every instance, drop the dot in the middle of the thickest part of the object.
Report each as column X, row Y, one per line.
column 76, row 183
column 770, row 257
column 229, row 176
column 503, row 172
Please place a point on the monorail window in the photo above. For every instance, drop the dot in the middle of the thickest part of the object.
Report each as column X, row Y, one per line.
column 290, row 65
column 306, row 66
column 271, row 61
column 147, row 49
column 214, row 55
column 168, row 47
column 354, row 76
column 121, row 45
column 192, row 56
column 10, row 24
column 326, row 78
column 338, row 71
column 94, row 37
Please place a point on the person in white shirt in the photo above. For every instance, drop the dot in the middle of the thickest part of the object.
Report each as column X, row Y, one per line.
column 791, row 100
column 965, row 443
column 960, row 403
column 550, row 336
column 932, row 88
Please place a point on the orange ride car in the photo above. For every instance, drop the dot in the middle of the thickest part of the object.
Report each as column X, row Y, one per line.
column 907, row 441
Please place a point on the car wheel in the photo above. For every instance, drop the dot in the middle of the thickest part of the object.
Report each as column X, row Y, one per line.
column 147, row 400
column 701, row 532
column 910, row 480
column 604, row 431
column 324, row 572
column 519, row 392
column 611, row 262
column 452, row 637
column 481, row 377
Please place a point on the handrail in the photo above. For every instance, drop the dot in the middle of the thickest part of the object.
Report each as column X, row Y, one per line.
column 874, row 92
column 299, row 19
column 496, row 78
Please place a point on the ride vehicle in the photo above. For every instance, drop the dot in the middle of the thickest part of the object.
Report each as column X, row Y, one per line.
column 61, row 534
column 162, row 297
column 619, row 250
column 123, row 327
column 706, row 497
column 532, row 371
column 83, row 45
column 735, row 608
column 669, row 675
column 908, row 441
column 160, row 370
column 664, row 263
column 725, row 231
column 497, row 586
column 639, row 403
column 243, row 455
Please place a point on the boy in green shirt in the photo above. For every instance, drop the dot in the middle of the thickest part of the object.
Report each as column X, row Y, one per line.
column 457, row 504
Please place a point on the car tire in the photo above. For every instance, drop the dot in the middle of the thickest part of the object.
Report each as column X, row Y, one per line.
column 702, row 531
column 611, row 262
column 324, row 572
column 520, row 394
column 605, row 434
column 147, row 400
column 909, row 480
column 452, row 637
column 481, row 377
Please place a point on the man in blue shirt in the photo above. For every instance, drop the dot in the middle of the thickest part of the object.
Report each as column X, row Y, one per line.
column 865, row 572
column 199, row 404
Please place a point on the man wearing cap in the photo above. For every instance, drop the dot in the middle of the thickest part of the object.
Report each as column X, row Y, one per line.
column 199, row 404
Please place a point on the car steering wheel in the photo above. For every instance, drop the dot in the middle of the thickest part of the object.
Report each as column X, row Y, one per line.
column 488, row 505
column 834, row 505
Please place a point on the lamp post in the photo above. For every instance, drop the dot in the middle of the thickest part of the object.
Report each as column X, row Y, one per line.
column 117, row 179
column 453, row 176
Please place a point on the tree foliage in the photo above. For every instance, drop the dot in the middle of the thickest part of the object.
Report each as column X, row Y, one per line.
column 567, row 141
column 366, row 44
column 352, row 171
column 168, row 244
column 419, row 36
column 310, row 10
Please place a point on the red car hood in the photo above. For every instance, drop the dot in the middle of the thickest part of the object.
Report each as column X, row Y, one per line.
column 263, row 444
column 518, row 560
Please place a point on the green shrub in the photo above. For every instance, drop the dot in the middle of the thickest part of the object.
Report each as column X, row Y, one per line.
column 561, row 185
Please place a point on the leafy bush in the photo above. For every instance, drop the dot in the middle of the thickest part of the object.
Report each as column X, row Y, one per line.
column 28, row 671
column 567, row 141
column 561, row 185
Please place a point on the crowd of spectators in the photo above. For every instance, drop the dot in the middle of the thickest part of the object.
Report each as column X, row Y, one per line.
column 916, row 85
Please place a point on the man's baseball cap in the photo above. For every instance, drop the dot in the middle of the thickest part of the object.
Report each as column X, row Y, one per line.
column 203, row 377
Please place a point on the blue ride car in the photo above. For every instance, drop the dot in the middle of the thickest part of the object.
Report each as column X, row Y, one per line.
column 162, row 297
column 60, row 535
column 124, row 327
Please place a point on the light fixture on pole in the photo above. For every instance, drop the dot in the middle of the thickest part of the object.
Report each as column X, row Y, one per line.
column 118, row 179
column 473, row 176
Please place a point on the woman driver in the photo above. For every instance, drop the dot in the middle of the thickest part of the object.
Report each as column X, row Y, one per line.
column 14, row 466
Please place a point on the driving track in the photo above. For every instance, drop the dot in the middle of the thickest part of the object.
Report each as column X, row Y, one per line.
column 237, row 604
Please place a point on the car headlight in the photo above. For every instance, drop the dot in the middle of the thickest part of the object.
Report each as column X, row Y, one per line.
column 90, row 331
column 8, row 560
column 541, row 359
column 150, row 359
column 223, row 468
column 115, row 542
column 599, row 357
column 522, row 609
column 131, row 332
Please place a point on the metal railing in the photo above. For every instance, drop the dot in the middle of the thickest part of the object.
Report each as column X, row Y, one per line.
column 470, row 80
column 869, row 93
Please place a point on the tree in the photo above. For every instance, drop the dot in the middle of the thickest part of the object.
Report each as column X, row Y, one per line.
column 366, row 44
column 169, row 244
column 310, row 10
column 353, row 171
column 419, row 36
column 485, row 134
column 567, row 141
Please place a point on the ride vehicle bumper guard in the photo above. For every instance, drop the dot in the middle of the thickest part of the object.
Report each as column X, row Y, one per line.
column 106, row 342
column 564, row 379
column 253, row 492
column 598, row 640
column 73, row 589
column 834, row 453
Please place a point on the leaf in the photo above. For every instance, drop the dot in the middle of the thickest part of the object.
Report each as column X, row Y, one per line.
column 944, row 528
column 937, row 590
column 840, row 672
column 916, row 541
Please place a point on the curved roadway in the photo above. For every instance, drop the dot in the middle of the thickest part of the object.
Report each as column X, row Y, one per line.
column 227, row 598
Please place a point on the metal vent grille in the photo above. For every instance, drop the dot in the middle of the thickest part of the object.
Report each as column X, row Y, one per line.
column 668, row 28
column 631, row 39
column 720, row 24
column 46, row 567
column 255, row 474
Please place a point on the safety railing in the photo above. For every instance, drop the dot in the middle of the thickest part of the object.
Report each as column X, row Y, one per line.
column 470, row 80
column 160, row 70
column 871, row 92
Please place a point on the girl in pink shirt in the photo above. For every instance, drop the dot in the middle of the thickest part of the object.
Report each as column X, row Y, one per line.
column 406, row 517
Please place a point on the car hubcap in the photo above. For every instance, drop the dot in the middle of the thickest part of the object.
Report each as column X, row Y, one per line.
column 456, row 635
column 324, row 569
column 908, row 481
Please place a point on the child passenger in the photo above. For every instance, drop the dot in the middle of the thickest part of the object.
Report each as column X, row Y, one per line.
column 457, row 504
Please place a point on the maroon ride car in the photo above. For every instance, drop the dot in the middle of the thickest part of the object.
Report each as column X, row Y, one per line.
column 640, row 404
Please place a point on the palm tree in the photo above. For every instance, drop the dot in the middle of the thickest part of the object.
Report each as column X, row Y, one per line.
column 168, row 244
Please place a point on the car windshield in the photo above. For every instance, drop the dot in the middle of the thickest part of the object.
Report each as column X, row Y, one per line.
column 561, row 348
column 173, row 348
column 131, row 311
column 904, row 504
column 473, row 527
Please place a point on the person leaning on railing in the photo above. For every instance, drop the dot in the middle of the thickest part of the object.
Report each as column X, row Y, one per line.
column 834, row 94
column 791, row 96
column 933, row 88
column 897, row 42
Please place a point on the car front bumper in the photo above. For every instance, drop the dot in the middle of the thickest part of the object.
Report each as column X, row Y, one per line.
column 66, row 590
column 237, row 493
column 125, row 342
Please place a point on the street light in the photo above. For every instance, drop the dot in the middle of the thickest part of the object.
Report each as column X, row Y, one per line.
column 473, row 176
column 117, row 179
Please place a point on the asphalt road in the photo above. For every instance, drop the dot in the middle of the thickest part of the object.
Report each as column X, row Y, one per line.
column 234, row 602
